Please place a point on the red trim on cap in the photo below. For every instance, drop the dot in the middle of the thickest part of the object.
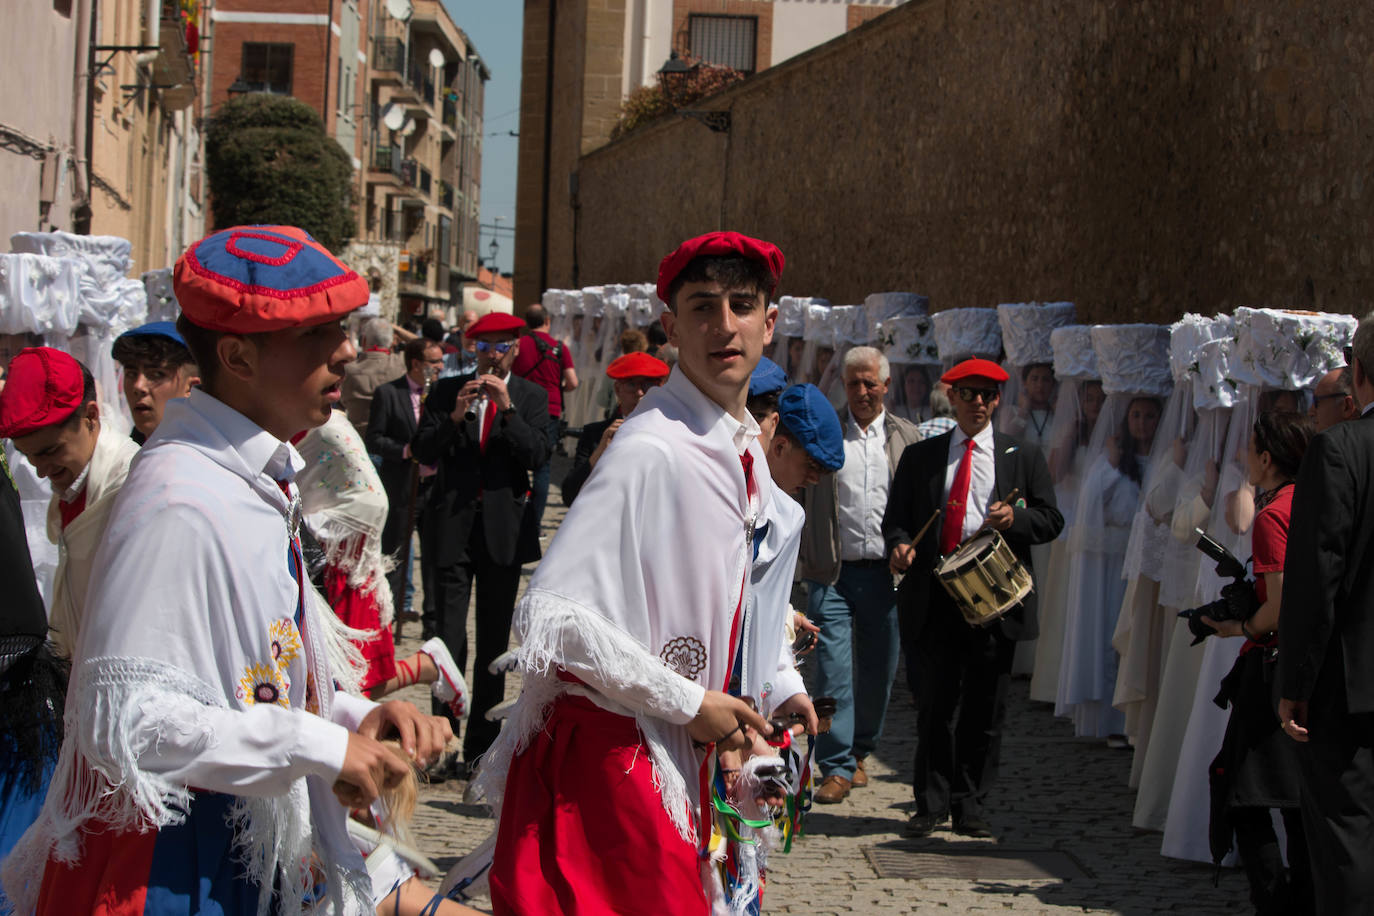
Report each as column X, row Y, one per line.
column 202, row 271
column 293, row 248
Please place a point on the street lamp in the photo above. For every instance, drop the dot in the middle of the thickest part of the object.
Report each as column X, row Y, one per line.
column 239, row 86
column 673, row 78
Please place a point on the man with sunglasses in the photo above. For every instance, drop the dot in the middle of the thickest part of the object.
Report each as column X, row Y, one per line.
column 844, row 565
column 485, row 432
column 1333, row 399
column 958, row 673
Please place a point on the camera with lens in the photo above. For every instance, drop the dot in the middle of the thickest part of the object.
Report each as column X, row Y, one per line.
column 1238, row 600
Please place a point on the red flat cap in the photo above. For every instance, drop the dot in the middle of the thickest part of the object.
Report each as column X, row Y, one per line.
column 637, row 365
column 971, row 368
column 252, row 279
column 43, row 387
column 495, row 323
column 719, row 243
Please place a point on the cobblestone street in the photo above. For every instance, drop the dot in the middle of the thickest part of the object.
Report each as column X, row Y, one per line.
column 1061, row 810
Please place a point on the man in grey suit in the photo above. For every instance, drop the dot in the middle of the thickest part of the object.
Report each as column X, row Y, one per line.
column 844, row 564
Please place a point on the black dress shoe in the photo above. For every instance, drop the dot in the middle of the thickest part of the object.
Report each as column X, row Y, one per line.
column 924, row 824
column 972, row 825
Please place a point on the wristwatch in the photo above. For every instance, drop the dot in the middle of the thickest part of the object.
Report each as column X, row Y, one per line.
column 508, row 411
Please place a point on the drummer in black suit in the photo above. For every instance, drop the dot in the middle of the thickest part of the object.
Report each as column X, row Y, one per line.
column 958, row 673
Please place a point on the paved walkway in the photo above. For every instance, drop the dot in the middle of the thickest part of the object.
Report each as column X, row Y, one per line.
column 1061, row 809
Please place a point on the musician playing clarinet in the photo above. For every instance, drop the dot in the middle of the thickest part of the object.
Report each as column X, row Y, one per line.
column 975, row 479
column 486, row 433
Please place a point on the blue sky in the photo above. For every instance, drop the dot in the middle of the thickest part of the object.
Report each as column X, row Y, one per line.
column 495, row 28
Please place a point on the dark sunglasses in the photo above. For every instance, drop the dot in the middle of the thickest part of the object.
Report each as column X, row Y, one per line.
column 484, row 346
column 1318, row 398
column 968, row 394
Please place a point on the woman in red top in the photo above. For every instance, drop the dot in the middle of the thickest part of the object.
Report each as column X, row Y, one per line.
column 1257, row 767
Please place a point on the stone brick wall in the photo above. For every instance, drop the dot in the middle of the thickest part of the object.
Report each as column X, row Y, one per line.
column 1140, row 158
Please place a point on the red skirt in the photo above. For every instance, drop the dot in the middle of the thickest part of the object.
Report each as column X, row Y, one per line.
column 583, row 830
column 362, row 612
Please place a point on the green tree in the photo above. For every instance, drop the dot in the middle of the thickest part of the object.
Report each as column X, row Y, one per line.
column 269, row 160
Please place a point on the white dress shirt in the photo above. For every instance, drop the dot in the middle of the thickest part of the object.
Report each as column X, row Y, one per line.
column 862, row 489
column 984, row 476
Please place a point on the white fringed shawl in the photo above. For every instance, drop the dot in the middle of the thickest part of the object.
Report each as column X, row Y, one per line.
column 637, row 593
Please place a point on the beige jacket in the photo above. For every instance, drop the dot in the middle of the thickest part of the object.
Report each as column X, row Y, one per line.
column 78, row 544
column 819, row 558
column 361, row 378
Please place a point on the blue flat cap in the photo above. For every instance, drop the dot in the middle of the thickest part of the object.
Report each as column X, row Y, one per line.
column 157, row 329
column 766, row 378
column 807, row 415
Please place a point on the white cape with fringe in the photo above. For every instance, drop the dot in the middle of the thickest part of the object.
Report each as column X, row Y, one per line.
column 638, row 591
column 191, row 670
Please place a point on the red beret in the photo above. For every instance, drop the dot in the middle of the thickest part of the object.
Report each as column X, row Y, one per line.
column 43, row 387
column 719, row 243
column 637, row 365
column 252, row 279
column 971, row 368
column 495, row 323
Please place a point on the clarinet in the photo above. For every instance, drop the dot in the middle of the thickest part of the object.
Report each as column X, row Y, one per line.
column 475, row 406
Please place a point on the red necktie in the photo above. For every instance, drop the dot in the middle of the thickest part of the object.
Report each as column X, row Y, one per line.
column 488, row 415
column 952, row 531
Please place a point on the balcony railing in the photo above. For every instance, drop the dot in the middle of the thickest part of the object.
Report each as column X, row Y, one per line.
column 409, row 171
column 450, row 112
column 388, row 54
column 388, row 159
column 418, row 274
column 446, row 195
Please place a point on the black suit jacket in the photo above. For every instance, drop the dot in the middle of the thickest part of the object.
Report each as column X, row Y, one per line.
column 582, row 460
column 918, row 489
column 1326, row 620
column 390, row 427
column 496, row 480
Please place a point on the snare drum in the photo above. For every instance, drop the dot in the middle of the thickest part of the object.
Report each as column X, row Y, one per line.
column 984, row 578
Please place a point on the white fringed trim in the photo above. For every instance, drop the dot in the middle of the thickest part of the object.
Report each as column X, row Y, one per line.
column 98, row 781
column 340, row 644
column 555, row 629
column 358, row 553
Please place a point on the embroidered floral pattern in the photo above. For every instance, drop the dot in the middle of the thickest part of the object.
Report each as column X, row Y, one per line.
column 686, row 655
column 262, row 684
column 285, row 643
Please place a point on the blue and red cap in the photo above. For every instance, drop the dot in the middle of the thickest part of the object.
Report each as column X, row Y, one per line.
column 253, row 279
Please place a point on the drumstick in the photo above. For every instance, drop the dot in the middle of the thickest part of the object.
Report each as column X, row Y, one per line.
column 924, row 528
column 1009, row 498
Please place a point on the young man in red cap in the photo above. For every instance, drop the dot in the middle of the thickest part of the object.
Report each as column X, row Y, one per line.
column 631, row 375
column 208, row 746
column 958, row 672
column 633, row 622
column 485, row 432
column 48, row 407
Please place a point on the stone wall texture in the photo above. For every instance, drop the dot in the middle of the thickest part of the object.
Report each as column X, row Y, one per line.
column 1139, row 157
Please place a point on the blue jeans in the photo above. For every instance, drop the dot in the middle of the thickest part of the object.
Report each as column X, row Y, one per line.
column 854, row 662
column 540, row 489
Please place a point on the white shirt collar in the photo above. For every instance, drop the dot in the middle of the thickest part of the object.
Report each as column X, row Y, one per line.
column 78, row 484
column 260, row 451
column 983, row 439
column 1367, row 408
column 877, row 427
column 708, row 413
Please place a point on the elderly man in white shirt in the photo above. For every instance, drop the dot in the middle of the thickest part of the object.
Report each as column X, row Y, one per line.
column 844, row 563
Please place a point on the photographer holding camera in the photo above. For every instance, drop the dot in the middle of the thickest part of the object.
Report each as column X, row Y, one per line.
column 1257, row 767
